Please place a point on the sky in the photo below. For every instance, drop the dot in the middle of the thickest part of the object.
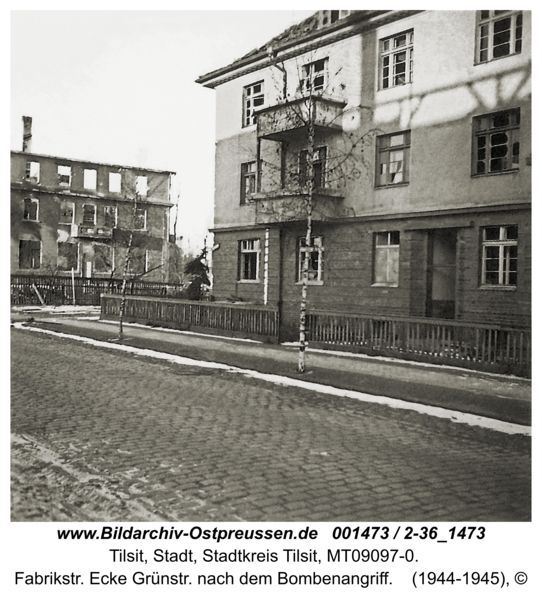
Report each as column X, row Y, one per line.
column 118, row 86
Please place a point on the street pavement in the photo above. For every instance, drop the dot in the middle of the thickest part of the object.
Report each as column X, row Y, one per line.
column 101, row 435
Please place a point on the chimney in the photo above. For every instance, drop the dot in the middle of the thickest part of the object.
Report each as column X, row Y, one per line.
column 27, row 134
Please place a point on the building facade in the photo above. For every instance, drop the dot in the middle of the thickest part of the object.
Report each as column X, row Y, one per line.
column 420, row 167
column 78, row 216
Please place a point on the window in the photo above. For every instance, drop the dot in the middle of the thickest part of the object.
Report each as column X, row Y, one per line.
column 30, row 212
column 140, row 219
column 253, row 98
column 496, row 142
column 316, row 259
column 249, row 260
column 386, row 258
column 141, row 186
column 314, row 77
column 64, row 175
column 393, row 158
column 68, row 256
column 66, row 213
column 110, row 216
column 500, row 255
column 89, row 179
column 115, row 182
column 32, row 172
column 137, row 263
column 248, row 181
column 318, row 165
column 29, row 254
column 103, row 258
column 89, row 214
column 499, row 34
column 397, row 60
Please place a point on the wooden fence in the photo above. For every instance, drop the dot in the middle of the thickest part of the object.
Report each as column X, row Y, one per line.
column 30, row 290
column 236, row 320
column 471, row 345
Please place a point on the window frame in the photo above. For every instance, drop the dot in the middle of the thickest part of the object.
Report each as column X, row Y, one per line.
column 317, row 248
column 31, row 255
column 114, row 176
column 27, row 214
column 97, row 249
column 66, row 203
column 248, row 176
column 246, row 249
column 112, row 216
column 84, row 219
column 140, row 212
column 68, row 269
column 387, row 150
column 309, row 74
column 93, row 183
column 392, row 252
column 61, row 181
column 31, row 167
column 252, row 101
column 141, row 186
column 388, row 52
column 504, row 258
column 319, row 160
column 491, row 133
column 485, row 30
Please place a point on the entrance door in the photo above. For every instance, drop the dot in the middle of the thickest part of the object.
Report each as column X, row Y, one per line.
column 441, row 274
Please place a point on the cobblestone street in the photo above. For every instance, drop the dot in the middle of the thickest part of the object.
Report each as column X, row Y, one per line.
column 100, row 435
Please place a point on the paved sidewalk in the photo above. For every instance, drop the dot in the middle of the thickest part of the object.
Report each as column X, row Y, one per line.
column 499, row 397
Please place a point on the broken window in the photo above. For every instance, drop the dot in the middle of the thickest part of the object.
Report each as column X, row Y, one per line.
column 89, row 179
column 66, row 213
column 393, row 158
column 386, row 258
column 316, row 258
column 499, row 34
column 110, row 216
column 30, row 212
column 496, row 142
column 249, row 260
column 115, row 182
column 314, row 77
column 397, row 60
column 140, row 219
column 500, row 255
column 64, row 175
column 141, row 186
column 68, row 256
column 318, row 166
column 89, row 214
column 29, row 254
column 248, row 181
column 253, row 98
column 103, row 258
column 32, row 172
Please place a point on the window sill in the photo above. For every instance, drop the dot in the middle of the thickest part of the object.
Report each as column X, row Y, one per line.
column 248, row 281
column 497, row 173
column 385, row 285
column 487, row 62
column 392, row 185
column 310, row 283
column 501, row 288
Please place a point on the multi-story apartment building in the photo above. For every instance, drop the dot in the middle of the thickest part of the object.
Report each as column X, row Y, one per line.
column 79, row 215
column 421, row 164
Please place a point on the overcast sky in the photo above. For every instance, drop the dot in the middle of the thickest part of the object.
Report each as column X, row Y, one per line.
column 119, row 87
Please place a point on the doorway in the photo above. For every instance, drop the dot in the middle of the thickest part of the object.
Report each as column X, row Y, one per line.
column 441, row 273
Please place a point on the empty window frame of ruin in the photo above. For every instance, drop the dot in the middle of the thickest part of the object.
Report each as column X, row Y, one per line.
column 140, row 219
column 32, row 171
column 253, row 99
column 103, row 258
column 90, row 178
column 249, row 260
column 110, row 216
column 141, row 186
column 500, row 256
column 386, row 258
column 64, row 175
column 500, row 34
column 66, row 213
column 314, row 77
column 496, row 142
column 115, row 183
column 248, row 181
column 68, row 256
column 137, row 263
column 89, row 214
column 315, row 252
column 393, row 159
column 318, row 167
column 31, row 209
column 29, row 254
column 397, row 60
